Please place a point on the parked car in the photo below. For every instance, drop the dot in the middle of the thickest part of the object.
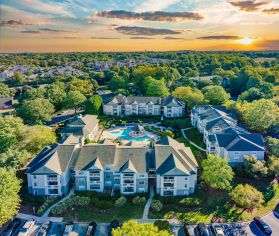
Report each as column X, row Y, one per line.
column 202, row 229
column 264, row 227
column 13, row 227
column 217, row 230
column 26, row 228
column 189, row 230
column 44, row 229
column 91, row 229
column 68, row 228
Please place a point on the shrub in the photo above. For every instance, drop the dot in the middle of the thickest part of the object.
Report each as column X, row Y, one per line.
column 254, row 168
column 59, row 209
column 49, row 201
column 190, row 202
column 156, row 205
column 162, row 225
column 139, row 200
column 168, row 133
column 120, row 202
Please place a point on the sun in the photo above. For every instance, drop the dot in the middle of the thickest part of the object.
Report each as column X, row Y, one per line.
column 246, row 41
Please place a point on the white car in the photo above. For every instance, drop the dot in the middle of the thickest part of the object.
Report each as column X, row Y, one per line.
column 26, row 228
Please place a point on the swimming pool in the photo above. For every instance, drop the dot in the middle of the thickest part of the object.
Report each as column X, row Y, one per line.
column 123, row 133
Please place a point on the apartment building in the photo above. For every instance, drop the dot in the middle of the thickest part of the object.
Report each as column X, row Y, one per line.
column 120, row 105
column 169, row 165
column 224, row 137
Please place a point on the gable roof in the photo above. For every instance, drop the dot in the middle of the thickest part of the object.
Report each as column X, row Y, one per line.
column 55, row 161
column 172, row 101
column 241, row 142
column 176, row 155
column 221, row 122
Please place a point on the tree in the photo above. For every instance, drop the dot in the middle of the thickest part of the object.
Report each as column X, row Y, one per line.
column 216, row 172
column 116, row 83
column 273, row 146
column 157, row 88
column 216, row 95
column 254, row 168
column 191, row 96
column 273, row 165
column 251, row 95
column 131, row 228
column 9, row 198
column 17, row 79
column 83, row 86
column 93, row 105
column 121, row 201
column 55, row 92
column 10, row 129
column 14, row 158
column 35, row 138
column 168, row 133
column 247, row 197
column 31, row 93
column 156, row 205
column 4, row 90
column 74, row 99
column 260, row 115
column 36, row 111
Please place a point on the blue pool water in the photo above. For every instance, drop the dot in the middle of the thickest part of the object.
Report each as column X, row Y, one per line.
column 124, row 134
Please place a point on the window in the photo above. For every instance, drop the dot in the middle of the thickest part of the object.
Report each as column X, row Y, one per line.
column 35, row 184
column 35, row 192
column 141, row 182
column 186, row 178
column 236, row 153
column 186, row 186
column 34, row 176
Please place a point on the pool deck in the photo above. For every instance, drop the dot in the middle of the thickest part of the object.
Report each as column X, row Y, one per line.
column 107, row 134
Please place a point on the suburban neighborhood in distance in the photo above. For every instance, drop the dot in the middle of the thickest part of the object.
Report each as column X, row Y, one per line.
column 139, row 117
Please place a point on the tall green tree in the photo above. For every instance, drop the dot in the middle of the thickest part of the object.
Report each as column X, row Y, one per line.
column 216, row 95
column 191, row 96
column 35, row 111
column 260, row 115
column 157, row 88
column 273, row 165
column 14, row 158
column 216, row 172
column 9, row 198
column 247, row 197
column 55, row 92
column 10, row 130
column 83, row 86
column 17, row 79
column 74, row 99
column 4, row 90
column 93, row 105
column 254, row 168
column 34, row 138
column 131, row 228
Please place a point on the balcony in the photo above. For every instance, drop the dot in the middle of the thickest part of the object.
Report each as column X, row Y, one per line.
column 52, row 178
column 52, row 183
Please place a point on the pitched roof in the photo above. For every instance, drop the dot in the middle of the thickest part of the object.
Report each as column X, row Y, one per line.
column 174, row 153
column 241, row 142
column 172, row 101
column 221, row 122
column 55, row 161
column 138, row 99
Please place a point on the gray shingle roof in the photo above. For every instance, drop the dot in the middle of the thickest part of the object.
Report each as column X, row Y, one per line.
column 172, row 101
column 221, row 122
column 176, row 153
column 241, row 142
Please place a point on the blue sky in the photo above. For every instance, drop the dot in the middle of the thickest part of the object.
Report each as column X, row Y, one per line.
column 94, row 25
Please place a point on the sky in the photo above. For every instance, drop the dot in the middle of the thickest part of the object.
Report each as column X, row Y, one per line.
column 138, row 25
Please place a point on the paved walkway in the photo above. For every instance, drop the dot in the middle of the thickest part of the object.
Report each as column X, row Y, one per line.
column 197, row 146
column 39, row 219
column 72, row 191
column 148, row 203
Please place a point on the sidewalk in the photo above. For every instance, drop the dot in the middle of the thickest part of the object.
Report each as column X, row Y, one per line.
column 38, row 218
column 184, row 136
column 148, row 204
column 72, row 191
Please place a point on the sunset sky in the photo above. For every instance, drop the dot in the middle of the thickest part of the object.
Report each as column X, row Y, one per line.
column 136, row 25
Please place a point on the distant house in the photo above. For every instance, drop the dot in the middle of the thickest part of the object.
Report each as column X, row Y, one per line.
column 6, row 103
column 224, row 137
column 169, row 166
column 84, row 127
column 120, row 105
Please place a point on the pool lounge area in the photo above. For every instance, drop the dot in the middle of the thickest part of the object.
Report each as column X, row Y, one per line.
column 127, row 134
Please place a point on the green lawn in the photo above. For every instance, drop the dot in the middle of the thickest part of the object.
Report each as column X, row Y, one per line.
column 195, row 136
column 199, row 155
column 216, row 206
column 90, row 213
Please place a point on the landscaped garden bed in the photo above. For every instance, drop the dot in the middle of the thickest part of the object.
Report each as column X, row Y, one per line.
column 100, row 207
